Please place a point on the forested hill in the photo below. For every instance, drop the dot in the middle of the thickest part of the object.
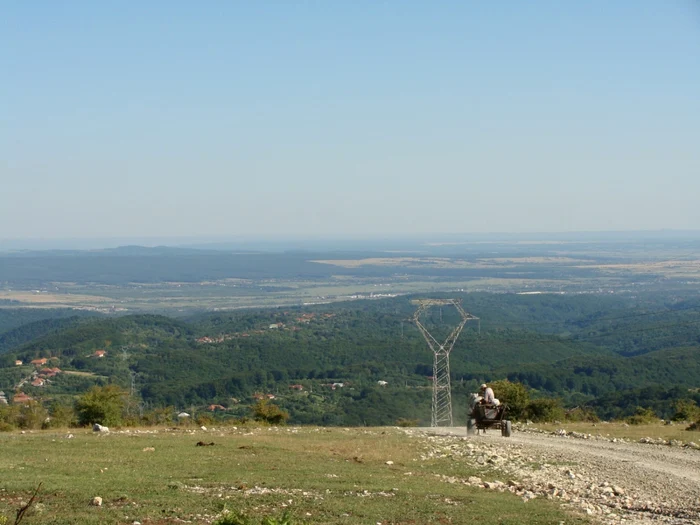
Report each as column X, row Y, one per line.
column 581, row 348
column 25, row 333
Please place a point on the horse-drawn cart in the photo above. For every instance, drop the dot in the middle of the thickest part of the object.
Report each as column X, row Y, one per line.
column 485, row 416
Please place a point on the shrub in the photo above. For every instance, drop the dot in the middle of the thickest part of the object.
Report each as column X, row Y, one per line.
column 642, row 416
column 204, row 419
column 9, row 417
column 101, row 404
column 545, row 410
column 686, row 410
column 62, row 416
column 515, row 395
column 33, row 415
column 269, row 413
column 403, row 422
column 159, row 416
column 582, row 414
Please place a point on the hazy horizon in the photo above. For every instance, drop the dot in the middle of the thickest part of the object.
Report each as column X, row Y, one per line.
column 310, row 120
column 359, row 242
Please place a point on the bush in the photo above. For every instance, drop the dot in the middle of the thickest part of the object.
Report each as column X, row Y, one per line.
column 269, row 413
column 62, row 416
column 9, row 417
column 403, row 422
column 694, row 426
column 545, row 410
column 686, row 410
column 103, row 405
column 515, row 395
column 32, row 416
column 159, row 416
column 582, row 414
column 642, row 416
column 204, row 419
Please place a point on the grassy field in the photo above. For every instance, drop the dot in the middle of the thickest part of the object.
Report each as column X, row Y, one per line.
column 330, row 476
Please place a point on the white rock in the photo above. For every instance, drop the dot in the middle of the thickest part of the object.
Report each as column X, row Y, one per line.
column 96, row 501
column 389, row 462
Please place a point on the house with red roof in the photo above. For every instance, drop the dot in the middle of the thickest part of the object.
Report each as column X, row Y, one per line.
column 21, row 397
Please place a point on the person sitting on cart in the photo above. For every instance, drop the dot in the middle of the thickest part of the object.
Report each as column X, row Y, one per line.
column 488, row 397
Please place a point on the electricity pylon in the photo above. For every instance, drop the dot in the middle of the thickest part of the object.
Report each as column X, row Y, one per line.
column 442, row 394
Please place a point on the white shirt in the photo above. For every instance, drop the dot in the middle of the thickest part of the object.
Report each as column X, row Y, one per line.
column 488, row 395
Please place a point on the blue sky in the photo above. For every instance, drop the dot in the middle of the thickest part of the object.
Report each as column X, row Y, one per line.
column 186, row 119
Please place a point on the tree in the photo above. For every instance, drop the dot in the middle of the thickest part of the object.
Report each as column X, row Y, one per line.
column 101, row 404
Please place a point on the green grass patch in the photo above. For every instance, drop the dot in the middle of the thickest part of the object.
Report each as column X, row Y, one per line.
column 330, row 476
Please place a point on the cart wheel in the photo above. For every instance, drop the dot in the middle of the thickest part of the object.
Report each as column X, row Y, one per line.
column 506, row 428
column 471, row 427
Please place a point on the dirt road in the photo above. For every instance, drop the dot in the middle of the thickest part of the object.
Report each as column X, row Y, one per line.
column 617, row 482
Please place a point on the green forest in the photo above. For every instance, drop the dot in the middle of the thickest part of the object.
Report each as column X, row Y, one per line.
column 324, row 364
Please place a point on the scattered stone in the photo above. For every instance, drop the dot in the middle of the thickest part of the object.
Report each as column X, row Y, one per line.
column 99, row 428
column 96, row 501
column 596, row 486
column 390, row 462
column 149, row 449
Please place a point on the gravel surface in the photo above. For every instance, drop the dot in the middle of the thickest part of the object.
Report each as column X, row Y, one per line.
column 613, row 482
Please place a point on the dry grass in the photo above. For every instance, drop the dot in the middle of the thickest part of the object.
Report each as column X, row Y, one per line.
column 44, row 299
column 635, row 432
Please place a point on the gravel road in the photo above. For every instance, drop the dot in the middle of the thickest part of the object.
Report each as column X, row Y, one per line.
column 614, row 482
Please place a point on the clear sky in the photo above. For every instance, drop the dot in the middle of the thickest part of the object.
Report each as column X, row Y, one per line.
column 325, row 118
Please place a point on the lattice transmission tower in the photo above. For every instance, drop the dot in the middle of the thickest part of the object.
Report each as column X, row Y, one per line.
column 442, row 393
